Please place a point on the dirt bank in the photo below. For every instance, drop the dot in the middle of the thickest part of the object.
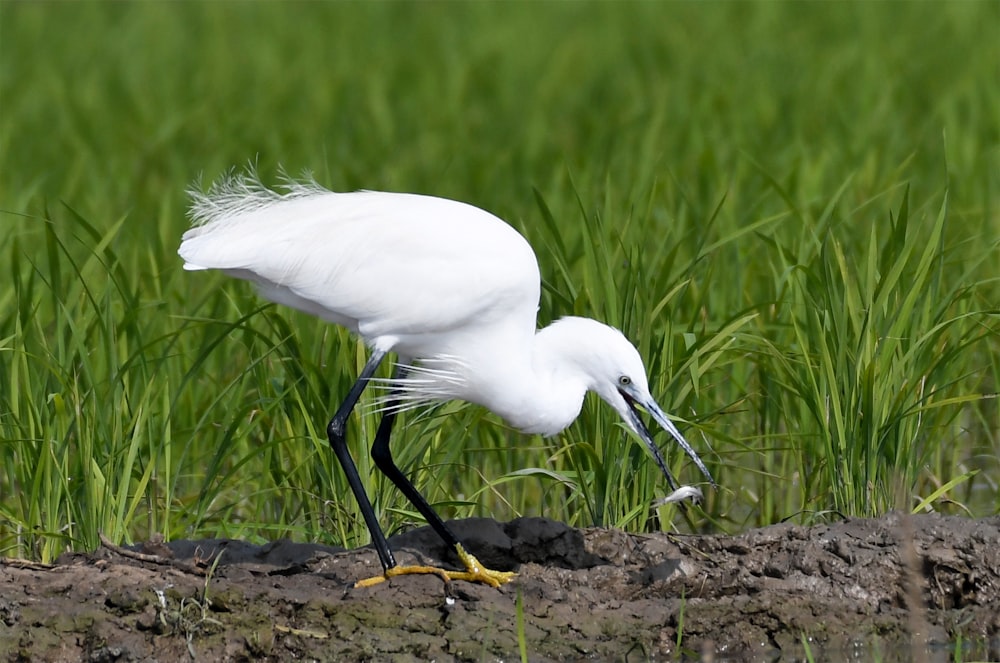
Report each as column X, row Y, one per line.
column 892, row 583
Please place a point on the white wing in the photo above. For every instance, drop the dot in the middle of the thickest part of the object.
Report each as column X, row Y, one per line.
column 380, row 264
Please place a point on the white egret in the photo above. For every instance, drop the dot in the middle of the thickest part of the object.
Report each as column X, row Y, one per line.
column 451, row 289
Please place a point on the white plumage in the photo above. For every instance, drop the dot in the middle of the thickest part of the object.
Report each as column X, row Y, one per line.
column 448, row 287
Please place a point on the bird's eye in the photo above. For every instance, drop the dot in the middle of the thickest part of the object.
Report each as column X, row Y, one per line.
column 624, row 381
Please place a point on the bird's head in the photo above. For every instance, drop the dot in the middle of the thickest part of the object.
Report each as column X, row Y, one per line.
column 616, row 373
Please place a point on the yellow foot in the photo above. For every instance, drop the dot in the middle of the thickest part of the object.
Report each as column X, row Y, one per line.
column 474, row 572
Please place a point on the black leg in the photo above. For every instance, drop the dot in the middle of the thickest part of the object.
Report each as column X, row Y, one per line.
column 336, row 431
column 383, row 461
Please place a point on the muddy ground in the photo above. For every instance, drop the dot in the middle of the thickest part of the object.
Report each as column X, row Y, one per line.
column 896, row 587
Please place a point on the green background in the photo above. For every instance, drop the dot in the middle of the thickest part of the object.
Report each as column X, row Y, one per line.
column 791, row 208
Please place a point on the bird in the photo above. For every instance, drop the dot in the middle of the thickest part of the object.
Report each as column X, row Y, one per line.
column 452, row 290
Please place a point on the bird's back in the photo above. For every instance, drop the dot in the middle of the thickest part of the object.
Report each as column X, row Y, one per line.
column 396, row 268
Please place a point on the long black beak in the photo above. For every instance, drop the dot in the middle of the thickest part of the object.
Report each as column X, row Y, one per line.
column 658, row 415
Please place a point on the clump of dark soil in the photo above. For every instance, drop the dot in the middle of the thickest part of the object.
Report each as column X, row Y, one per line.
column 907, row 587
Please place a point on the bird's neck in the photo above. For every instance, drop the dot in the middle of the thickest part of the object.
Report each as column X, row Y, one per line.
column 550, row 386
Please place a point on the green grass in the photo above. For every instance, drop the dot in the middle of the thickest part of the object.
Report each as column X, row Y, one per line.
column 792, row 209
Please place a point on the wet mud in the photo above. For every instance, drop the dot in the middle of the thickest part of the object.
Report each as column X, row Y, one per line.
column 899, row 587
